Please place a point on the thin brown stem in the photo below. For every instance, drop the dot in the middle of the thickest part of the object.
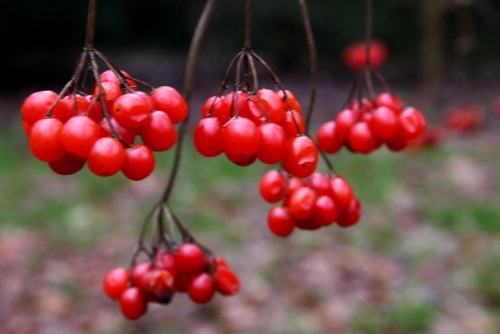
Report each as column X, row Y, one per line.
column 369, row 33
column 115, row 70
column 248, row 25
column 188, row 88
column 89, row 37
column 313, row 58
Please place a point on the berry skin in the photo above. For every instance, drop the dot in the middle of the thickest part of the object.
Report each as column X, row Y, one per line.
column 115, row 283
column 78, row 136
column 140, row 275
column 106, row 157
column 133, row 303
column 67, row 165
column 159, row 133
column 127, row 135
column 302, row 203
column 139, row 162
column 342, row 192
column 344, row 122
column 390, row 101
column 280, row 222
column 226, row 281
column 301, row 158
column 168, row 100
column 362, row 139
column 384, row 123
column 131, row 111
column 327, row 138
column 44, row 140
column 111, row 91
column 36, row 106
column 350, row 216
column 190, row 258
column 240, row 136
column 207, row 137
column 272, row 143
column 201, row 288
column 272, row 186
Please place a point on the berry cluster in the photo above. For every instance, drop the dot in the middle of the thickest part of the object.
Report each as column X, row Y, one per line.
column 354, row 55
column 101, row 129
column 267, row 126
column 309, row 204
column 366, row 125
column 188, row 269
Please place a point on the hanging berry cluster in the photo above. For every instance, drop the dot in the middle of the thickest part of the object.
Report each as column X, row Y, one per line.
column 309, row 204
column 95, row 120
column 172, row 267
column 250, row 123
column 364, row 126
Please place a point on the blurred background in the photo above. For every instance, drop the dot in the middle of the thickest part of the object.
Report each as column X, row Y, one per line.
column 425, row 257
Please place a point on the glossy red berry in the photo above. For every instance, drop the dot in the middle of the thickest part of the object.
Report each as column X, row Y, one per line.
column 280, row 222
column 207, row 137
column 36, row 106
column 106, row 157
column 131, row 111
column 133, row 303
column 168, row 100
column 302, row 157
column 159, row 133
column 201, row 288
column 190, row 258
column 44, row 140
column 362, row 139
column 272, row 143
column 139, row 162
column 240, row 136
column 67, row 165
column 78, row 136
column 116, row 282
column 272, row 186
column 328, row 140
column 226, row 281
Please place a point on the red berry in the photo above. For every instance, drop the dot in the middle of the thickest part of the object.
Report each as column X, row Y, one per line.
column 201, row 288
column 159, row 133
column 67, row 165
column 226, row 281
column 133, row 303
column 168, row 100
column 78, row 136
column 327, row 138
column 44, row 140
column 280, row 222
column 131, row 111
column 272, row 143
column 115, row 283
column 302, row 203
column 36, row 106
column 190, row 258
column 301, row 158
column 207, row 137
column 139, row 162
column 272, row 186
column 240, row 136
column 106, row 157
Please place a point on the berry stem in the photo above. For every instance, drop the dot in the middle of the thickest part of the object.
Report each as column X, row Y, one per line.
column 313, row 58
column 89, row 36
column 188, row 89
column 369, row 32
column 248, row 25
column 115, row 70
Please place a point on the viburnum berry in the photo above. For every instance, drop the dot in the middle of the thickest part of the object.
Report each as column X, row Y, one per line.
column 201, row 288
column 116, row 282
column 133, row 303
column 44, row 140
column 158, row 133
column 226, row 281
column 207, row 137
column 139, row 162
column 78, row 136
column 131, row 111
column 301, row 158
column 38, row 104
column 190, row 258
column 106, row 157
column 67, row 165
column 168, row 100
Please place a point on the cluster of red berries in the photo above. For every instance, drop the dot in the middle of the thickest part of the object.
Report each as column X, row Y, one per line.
column 354, row 55
column 188, row 269
column 365, row 126
column 74, row 130
column 309, row 204
column 267, row 126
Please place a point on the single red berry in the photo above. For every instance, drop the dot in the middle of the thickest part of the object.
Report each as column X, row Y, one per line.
column 384, row 123
column 140, row 275
column 327, row 138
column 293, row 124
column 159, row 133
column 37, row 105
column 207, row 137
column 272, row 143
column 115, row 283
column 362, row 139
column 139, row 162
column 166, row 261
column 342, row 191
column 280, row 222
column 133, row 303
column 390, row 101
column 44, row 140
column 190, row 258
column 301, row 158
column 106, row 157
column 325, row 211
column 78, row 136
column 201, row 288
column 350, row 215
column 344, row 122
column 127, row 135
column 131, row 111
column 110, row 92
column 291, row 102
column 67, row 165
column 240, row 136
column 272, row 186
column 302, row 203
column 226, row 281
column 110, row 76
